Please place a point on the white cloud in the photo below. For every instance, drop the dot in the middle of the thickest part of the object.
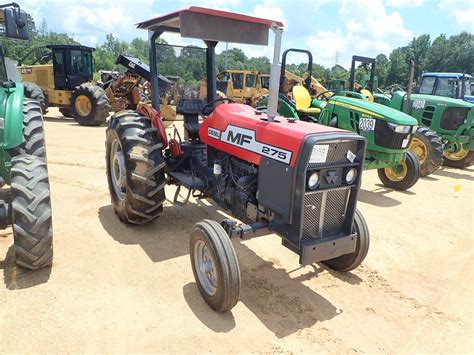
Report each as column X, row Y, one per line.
column 404, row 3
column 369, row 30
column 461, row 10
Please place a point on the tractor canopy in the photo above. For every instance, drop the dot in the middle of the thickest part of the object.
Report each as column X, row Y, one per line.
column 213, row 26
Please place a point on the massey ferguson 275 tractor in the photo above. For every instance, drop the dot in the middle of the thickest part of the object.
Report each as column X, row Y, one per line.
column 276, row 175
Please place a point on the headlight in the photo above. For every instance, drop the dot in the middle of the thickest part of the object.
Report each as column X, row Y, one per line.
column 313, row 181
column 399, row 128
column 351, row 176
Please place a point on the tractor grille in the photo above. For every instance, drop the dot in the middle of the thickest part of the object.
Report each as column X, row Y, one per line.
column 453, row 117
column 324, row 213
column 337, row 153
column 387, row 138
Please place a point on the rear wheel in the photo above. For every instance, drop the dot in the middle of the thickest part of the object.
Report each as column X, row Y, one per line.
column 428, row 148
column 34, row 92
column 135, row 168
column 460, row 158
column 402, row 176
column 33, row 142
column 215, row 265
column 31, row 212
column 89, row 105
column 349, row 262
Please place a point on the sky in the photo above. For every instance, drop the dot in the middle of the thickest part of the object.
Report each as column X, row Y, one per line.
column 331, row 29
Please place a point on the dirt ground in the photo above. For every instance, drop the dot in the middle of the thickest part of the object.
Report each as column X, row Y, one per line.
column 119, row 288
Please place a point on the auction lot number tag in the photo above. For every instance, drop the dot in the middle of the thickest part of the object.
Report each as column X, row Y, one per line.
column 367, row 124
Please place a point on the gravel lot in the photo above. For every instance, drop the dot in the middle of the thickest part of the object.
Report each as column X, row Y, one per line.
column 119, row 288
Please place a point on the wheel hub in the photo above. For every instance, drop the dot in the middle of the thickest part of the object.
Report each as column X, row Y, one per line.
column 397, row 173
column 83, row 105
column 459, row 153
column 206, row 269
column 118, row 170
column 419, row 149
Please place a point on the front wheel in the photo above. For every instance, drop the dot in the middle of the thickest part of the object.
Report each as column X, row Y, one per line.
column 402, row 176
column 351, row 261
column 461, row 158
column 215, row 265
column 89, row 105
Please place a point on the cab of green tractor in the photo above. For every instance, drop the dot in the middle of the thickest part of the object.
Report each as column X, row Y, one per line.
column 295, row 179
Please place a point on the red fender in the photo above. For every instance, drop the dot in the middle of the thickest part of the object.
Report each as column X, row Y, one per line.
column 156, row 122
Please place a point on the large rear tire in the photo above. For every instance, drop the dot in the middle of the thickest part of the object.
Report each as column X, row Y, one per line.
column 428, row 148
column 351, row 261
column 403, row 176
column 31, row 212
column 215, row 265
column 89, row 105
column 135, row 168
column 33, row 141
column 33, row 91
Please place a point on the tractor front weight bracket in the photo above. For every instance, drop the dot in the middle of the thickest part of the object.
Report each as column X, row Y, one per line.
column 245, row 231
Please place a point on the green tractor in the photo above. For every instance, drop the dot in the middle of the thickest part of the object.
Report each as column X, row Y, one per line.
column 26, row 205
column 449, row 119
column 388, row 131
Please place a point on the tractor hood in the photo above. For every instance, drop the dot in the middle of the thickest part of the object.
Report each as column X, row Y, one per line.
column 374, row 110
column 400, row 97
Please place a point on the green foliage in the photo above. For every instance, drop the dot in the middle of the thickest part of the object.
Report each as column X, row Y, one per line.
column 443, row 54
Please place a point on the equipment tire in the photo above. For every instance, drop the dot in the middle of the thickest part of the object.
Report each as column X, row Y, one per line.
column 33, row 91
column 351, row 261
column 412, row 166
column 135, row 168
column 461, row 163
column 210, row 247
column 33, row 141
column 428, row 148
column 65, row 111
column 31, row 212
column 89, row 105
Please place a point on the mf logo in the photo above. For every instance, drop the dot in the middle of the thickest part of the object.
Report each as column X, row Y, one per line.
column 239, row 138
column 331, row 177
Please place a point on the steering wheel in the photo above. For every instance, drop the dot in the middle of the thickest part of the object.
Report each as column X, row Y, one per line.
column 205, row 110
column 322, row 94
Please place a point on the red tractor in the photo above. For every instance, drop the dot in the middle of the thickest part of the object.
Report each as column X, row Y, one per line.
column 276, row 175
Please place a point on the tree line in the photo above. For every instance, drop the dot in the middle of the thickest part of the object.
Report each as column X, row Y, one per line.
column 452, row 54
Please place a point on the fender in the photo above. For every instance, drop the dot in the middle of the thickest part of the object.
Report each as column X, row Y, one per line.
column 11, row 115
column 156, row 122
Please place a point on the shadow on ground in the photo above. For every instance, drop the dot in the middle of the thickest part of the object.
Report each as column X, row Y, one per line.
column 282, row 303
column 458, row 174
column 16, row 277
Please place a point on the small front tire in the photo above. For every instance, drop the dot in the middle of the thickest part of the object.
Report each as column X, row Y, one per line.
column 403, row 176
column 215, row 265
column 351, row 261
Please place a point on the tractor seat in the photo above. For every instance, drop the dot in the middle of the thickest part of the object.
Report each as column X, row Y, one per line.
column 303, row 100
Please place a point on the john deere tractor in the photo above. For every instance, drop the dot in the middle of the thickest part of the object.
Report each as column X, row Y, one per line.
column 26, row 204
column 450, row 119
column 65, row 76
column 388, row 132
column 455, row 85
